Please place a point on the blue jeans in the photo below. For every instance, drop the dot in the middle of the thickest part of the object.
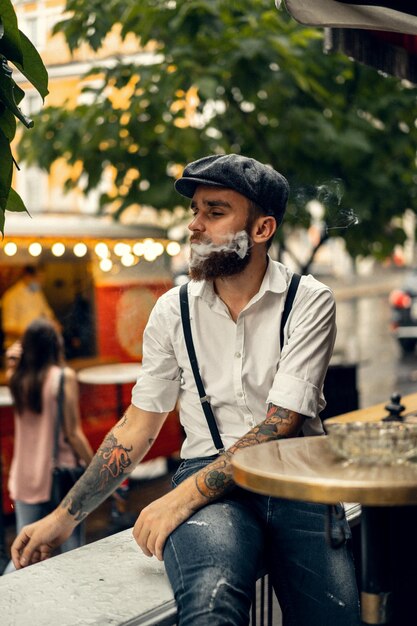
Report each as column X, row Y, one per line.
column 213, row 560
column 29, row 513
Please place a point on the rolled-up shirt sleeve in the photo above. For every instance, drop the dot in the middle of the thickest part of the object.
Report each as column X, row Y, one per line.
column 306, row 355
column 158, row 382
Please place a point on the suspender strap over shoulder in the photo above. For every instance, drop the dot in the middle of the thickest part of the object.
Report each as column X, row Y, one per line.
column 292, row 290
column 208, row 412
column 185, row 318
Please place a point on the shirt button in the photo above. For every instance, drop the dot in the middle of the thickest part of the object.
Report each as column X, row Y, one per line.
column 237, row 355
column 240, row 394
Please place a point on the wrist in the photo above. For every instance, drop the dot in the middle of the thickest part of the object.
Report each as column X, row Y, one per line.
column 214, row 480
column 64, row 517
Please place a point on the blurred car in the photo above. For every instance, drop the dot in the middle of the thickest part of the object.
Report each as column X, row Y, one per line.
column 403, row 304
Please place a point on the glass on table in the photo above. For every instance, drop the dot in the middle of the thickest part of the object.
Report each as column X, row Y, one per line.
column 373, row 443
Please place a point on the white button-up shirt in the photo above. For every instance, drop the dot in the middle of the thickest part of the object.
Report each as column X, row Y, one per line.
column 241, row 363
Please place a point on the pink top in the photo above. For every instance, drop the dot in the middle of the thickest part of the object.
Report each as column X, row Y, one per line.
column 30, row 478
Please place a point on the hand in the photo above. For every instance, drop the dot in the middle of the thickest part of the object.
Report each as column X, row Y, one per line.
column 158, row 520
column 36, row 541
column 14, row 352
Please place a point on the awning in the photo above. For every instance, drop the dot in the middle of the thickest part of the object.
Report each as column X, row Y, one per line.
column 74, row 235
column 77, row 227
column 380, row 33
column 399, row 16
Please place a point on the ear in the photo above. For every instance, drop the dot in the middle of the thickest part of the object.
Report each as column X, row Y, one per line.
column 263, row 229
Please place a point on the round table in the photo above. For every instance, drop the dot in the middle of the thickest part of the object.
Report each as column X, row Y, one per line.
column 305, row 468
column 111, row 374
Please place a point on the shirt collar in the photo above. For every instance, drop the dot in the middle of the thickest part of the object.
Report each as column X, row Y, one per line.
column 275, row 279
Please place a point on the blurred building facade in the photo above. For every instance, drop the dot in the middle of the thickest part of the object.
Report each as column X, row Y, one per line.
column 102, row 277
column 87, row 259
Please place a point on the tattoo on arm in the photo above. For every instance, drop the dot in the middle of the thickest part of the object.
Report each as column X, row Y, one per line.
column 103, row 475
column 122, row 421
column 279, row 424
column 217, row 478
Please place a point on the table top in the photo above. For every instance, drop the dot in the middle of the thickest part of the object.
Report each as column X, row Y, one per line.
column 110, row 374
column 376, row 412
column 305, row 468
column 5, row 396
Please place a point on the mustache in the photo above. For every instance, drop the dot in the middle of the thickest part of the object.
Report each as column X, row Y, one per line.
column 199, row 239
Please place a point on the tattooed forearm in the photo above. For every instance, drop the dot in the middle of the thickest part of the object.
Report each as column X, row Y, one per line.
column 217, row 478
column 122, row 421
column 279, row 424
column 105, row 472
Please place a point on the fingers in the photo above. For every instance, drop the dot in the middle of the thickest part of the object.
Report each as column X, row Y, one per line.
column 150, row 537
column 159, row 548
column 25, row 551
column 17, row 548
column 141, row 535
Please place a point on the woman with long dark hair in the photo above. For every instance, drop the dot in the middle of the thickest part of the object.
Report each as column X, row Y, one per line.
column 34, row 370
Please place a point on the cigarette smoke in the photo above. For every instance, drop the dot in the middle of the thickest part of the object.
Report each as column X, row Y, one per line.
column 330, row 195
column 234, row 242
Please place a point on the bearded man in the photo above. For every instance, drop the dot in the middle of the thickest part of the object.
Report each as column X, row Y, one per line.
column 213, row 536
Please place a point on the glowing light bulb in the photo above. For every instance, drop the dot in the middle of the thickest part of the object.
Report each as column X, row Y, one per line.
column 139, row 248
column 173, row 248
column 128, row 260
column 149, row 255
column 102, row 250
column 35, row 249
column 158, row 248
column 80, row 249
column 120, row 249
column 10, row 248
column 58, row 249
column 106, row 265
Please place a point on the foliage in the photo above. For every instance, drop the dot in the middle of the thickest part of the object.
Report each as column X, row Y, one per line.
column 237, row 77
column 16, row 48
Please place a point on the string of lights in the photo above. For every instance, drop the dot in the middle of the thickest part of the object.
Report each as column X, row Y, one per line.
column 108, row 252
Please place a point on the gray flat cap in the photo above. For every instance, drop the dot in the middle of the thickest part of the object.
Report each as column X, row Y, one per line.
column 260, row 183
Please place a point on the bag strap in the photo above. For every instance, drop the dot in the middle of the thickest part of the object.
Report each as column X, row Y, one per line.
column 205, row 403
column 292, row 290
column 59, row 417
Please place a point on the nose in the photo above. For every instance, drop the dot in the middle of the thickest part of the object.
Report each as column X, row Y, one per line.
column 196, row 224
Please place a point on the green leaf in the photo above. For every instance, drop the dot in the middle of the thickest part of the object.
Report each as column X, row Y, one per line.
column 10, row 93
column 33, row 67
column 7, row 122
column 15, row 203
column 10, row 44
column 6, row 169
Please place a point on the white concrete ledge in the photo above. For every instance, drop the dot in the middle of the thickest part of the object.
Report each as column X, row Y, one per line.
column 106, row 583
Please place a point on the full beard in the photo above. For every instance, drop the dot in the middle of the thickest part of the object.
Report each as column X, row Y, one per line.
column 210, row 261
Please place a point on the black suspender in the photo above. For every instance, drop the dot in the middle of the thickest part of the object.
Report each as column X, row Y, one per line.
column 185, row 318
column 292, row 290
column 208, row 412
